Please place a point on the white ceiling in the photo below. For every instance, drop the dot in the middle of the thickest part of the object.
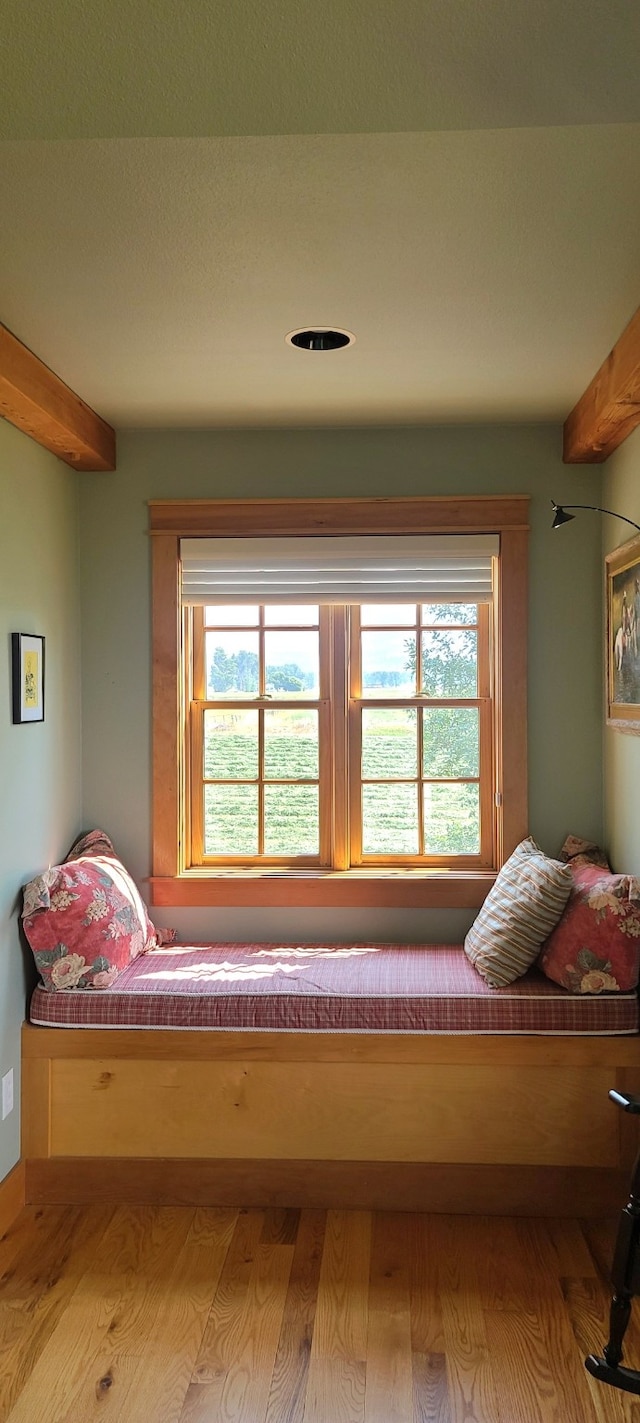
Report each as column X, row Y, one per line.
column 485, row 268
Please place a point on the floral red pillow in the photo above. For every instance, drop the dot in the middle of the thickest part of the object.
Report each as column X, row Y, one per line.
column 595, row 947
column 577, row 851
column 92, row 842
column 85, row 922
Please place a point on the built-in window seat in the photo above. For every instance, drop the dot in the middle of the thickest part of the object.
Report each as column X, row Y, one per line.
column 330, row 988
column 354, row 1074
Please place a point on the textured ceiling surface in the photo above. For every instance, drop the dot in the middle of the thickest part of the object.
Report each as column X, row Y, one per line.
column 456, row 182
column 188, row 68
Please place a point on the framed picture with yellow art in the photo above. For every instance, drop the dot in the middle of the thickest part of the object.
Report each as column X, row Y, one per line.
column 623, row 637
column 27, row 676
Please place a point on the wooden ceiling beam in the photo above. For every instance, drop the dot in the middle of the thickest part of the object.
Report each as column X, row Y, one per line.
column 610, row 407
column 37, row 402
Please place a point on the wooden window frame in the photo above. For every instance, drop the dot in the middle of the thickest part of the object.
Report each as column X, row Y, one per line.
column 172, row 884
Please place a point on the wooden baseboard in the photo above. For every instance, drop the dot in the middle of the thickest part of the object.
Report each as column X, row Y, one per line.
column 404, row 1186
column 12, row 1196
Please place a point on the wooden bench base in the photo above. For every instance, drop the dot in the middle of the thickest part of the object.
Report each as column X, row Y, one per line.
column 510, row 1125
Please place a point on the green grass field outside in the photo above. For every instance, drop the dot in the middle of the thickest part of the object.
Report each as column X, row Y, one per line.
column 390, row 811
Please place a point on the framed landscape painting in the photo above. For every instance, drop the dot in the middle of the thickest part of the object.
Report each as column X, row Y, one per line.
column 623, row 637
column 27, row 677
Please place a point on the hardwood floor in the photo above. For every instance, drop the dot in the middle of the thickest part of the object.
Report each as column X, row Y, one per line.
column 174, row 1315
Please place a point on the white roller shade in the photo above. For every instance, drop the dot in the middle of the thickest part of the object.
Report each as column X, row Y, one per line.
column 451, row 568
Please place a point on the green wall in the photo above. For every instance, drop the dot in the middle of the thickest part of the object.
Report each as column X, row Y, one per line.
column 565, row 620
column 40, row 763
column 621, row 491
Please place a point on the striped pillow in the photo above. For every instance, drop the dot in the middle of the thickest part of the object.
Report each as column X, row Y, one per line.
column 518, row 914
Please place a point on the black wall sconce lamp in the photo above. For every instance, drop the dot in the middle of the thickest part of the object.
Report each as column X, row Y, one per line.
column 560, row 515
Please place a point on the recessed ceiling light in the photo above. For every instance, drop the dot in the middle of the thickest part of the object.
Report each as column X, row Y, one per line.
column 321, row 338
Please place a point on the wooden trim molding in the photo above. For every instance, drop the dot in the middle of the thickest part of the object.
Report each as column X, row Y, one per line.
column 208, row 518
column 36, row 401
column 12, row 1197
column 511, row 691
column 221, row 1045
column 337, row 889
column 459, row 1189
column 173, row 881
column 166, row 704
column 609, row 409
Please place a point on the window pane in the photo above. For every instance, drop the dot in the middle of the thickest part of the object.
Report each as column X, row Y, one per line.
column 236, row 616
column 395, row 614
column 452, row 819
column 291, row 820
column 288, row 613
column 450, row 664
column 388, row 664
column 390, row 820
column 450, row 739
column 290, row 745
column 389, row 742
column 230, row 820
column 232, row 664
column 231, row 745
column 292, row 667
column 449, row 613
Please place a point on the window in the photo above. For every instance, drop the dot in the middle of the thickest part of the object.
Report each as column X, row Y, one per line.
column 260, row 735
column 266, row 786
column 359, row 741
column 421, row 717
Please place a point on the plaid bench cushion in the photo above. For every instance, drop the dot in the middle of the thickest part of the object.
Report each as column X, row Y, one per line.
column 348, row 988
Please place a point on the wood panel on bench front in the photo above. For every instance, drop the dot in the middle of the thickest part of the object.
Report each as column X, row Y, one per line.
column 457, row 1122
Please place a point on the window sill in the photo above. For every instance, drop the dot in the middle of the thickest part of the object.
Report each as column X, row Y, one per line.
column 399, row 889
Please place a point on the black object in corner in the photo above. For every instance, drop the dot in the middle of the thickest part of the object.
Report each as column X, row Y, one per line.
column 625, row 1278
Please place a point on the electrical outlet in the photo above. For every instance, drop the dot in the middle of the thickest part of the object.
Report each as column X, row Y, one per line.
column 7, row 1093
